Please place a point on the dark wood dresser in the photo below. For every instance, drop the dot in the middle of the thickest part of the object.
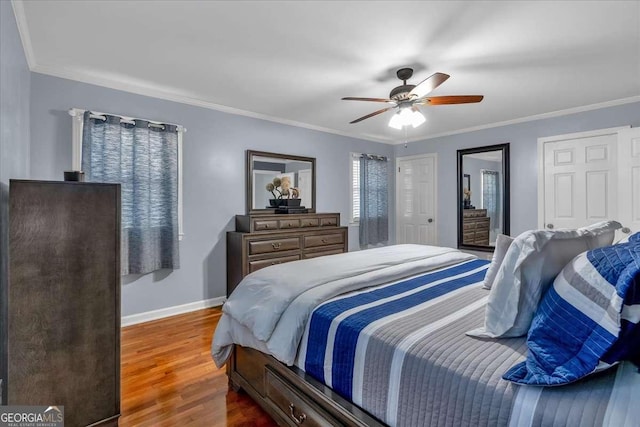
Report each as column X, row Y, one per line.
column 263, row 240
column 475, row 227
column 64, row 299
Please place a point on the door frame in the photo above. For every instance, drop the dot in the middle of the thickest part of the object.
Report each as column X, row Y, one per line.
column 558, row 138
column 435, row 190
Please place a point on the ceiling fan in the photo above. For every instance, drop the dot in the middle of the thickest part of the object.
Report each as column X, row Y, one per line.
column 406, row 98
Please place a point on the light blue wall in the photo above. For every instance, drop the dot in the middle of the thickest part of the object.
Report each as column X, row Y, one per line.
column 14, row 141
column 524, row 164
column 214, row 176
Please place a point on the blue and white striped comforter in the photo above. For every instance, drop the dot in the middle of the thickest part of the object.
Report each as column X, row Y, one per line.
column 400, row 352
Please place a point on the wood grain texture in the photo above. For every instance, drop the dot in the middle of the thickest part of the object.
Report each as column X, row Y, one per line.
column 169, row 378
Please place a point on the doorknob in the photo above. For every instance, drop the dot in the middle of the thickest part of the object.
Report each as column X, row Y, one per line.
column 549, row 226
column 430, row 220
column 625, row 230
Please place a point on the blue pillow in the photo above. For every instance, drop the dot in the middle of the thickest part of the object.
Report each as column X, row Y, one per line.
column 588, row 320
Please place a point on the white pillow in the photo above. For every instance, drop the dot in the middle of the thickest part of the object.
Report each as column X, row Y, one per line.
column 605, row 232
column 503, row 242
column 531, row 263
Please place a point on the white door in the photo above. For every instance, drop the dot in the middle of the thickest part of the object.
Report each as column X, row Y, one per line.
column 416, row 199
column 629, row 179
column 579, row 179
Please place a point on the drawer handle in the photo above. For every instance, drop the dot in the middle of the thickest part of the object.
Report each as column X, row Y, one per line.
column 324, row 240
column 298, row 420
column 276, row 245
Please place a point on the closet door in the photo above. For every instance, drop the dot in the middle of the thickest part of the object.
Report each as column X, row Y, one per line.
column 629, row 179
column 579, row 179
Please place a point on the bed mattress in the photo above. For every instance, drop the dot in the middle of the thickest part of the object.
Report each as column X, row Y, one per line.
column 400, row 352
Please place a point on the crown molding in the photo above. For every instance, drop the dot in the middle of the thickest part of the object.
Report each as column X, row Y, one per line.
column 549, row 115
column 23, row 30
column 170, row 95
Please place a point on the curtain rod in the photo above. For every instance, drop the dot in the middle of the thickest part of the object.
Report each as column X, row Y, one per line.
column 78, row 112
column 371, row 156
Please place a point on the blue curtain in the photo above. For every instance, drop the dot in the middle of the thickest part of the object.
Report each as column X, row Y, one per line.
column 491, row 196
column 144, row 160
column 374, row 211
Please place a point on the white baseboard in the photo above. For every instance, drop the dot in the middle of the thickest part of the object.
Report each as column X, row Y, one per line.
column 170, row 311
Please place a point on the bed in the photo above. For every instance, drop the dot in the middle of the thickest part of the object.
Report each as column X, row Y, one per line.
column 378, row 337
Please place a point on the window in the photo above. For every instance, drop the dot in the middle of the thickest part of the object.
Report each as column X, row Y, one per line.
column 355, row 187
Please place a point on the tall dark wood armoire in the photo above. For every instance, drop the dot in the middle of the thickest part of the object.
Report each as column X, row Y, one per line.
column 64, row 299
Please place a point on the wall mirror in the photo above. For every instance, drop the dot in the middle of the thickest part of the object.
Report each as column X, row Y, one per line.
column 263, row 167
column 483, row 196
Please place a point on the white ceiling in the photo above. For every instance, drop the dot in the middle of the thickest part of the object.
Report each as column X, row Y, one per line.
column 292, row 61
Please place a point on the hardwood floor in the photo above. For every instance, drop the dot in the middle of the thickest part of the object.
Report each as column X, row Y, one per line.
column 169, row 378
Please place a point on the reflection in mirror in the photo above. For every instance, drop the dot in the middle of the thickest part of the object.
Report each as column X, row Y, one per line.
column 483, row 177
column 263, row 168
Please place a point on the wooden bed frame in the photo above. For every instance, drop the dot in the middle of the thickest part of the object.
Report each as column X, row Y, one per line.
column 289, row 395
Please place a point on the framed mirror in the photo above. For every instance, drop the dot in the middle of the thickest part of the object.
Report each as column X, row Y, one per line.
column 483, row 196
column 263, row 167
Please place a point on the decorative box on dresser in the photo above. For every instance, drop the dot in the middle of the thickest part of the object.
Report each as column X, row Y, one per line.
column 64, row 299
column 268, row 239
column 475, row 227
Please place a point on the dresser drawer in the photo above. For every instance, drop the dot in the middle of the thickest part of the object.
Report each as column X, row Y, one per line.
column 289, row 223
column 309, row 222
column 469, row 237
column 474, row 213
column 323, row 240
column 482, row 236
column 261, row 225
column 330, row 221
column 257, row 265
column 292, row 405
column 273, row 245
column 329, row 251
column 482, row 223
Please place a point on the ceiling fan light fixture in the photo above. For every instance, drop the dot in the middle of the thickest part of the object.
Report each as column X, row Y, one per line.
column 396, row 121
column 417, row 118
column 406, row 117
column 407, row 97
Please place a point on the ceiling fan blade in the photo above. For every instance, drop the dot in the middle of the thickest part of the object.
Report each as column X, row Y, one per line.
column 428, row 84
column 355, row 98
column 375, row 113
column 454, row 99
